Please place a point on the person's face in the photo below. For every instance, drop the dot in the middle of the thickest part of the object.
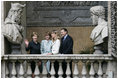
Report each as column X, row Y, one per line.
column 53, row 35
column 94, row 19
column 47, row 37
column 63, row 33
column 35, row 38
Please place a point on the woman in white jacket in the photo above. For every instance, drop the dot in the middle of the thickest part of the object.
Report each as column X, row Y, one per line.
column 55, row 43
column 55, row 49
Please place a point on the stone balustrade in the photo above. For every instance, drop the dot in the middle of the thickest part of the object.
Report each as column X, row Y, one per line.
column 92, row 65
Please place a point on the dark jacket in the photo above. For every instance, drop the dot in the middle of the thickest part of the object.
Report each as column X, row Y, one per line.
column 66, row 45
column 33, row 47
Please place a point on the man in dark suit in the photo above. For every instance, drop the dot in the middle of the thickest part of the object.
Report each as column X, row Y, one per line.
column 66, row 47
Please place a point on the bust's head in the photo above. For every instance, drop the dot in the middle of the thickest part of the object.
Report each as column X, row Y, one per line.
column 97, row 12
column 17, row 6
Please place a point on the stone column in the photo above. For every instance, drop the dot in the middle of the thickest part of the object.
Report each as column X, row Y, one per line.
column 2, row 41
column 112, row 43
column 2, row 22
column 109, row 27
column 23, row 21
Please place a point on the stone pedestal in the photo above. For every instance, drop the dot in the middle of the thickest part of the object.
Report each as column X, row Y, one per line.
column 98, row 50
column 15, row 49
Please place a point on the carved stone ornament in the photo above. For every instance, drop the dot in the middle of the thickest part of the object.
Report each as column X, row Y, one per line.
column 100, row 32
column 60, row 13
column 13, row 29
column 114, row 28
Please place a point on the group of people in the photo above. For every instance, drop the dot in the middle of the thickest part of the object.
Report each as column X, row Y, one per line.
column 52, row 45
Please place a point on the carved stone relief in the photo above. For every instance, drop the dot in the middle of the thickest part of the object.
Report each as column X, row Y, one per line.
column 60, row 13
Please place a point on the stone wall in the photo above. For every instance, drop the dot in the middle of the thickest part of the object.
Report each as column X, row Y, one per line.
column 80, row 35
column 60, row 13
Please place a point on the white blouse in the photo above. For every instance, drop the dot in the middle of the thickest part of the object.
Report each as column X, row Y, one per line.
column 55, row 46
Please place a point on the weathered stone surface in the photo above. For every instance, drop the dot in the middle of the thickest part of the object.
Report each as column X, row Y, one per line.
column 100, row 32
column 59, row 56
column 13, row 29
column 60, row 13
column 114, row 28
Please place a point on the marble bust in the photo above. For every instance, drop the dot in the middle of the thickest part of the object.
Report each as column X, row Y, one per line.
column 13, row 29
column 100, row 32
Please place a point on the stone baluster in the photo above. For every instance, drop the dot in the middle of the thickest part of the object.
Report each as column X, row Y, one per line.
column 6, row 70
column 100, row 70
column 36, row 72
column 21, row 70
column 68, row 71
column 84, row 71
column 44, row 69
column 60, row 72
column 29, row 72
column 108, row 71
column 52, row 72
column 13, row 72
column 76, row 72
column 92, row 72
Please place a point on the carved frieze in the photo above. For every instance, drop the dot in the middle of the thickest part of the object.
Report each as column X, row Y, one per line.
column 114, row 28
column 60, row 13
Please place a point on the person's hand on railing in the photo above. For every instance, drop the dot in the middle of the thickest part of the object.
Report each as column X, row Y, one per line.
column 26, row 42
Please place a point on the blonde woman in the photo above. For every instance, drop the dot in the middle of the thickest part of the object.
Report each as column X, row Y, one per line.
column 55, row 49
column 55, row 43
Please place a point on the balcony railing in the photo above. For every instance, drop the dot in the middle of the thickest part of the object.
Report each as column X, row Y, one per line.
column 95, row 67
